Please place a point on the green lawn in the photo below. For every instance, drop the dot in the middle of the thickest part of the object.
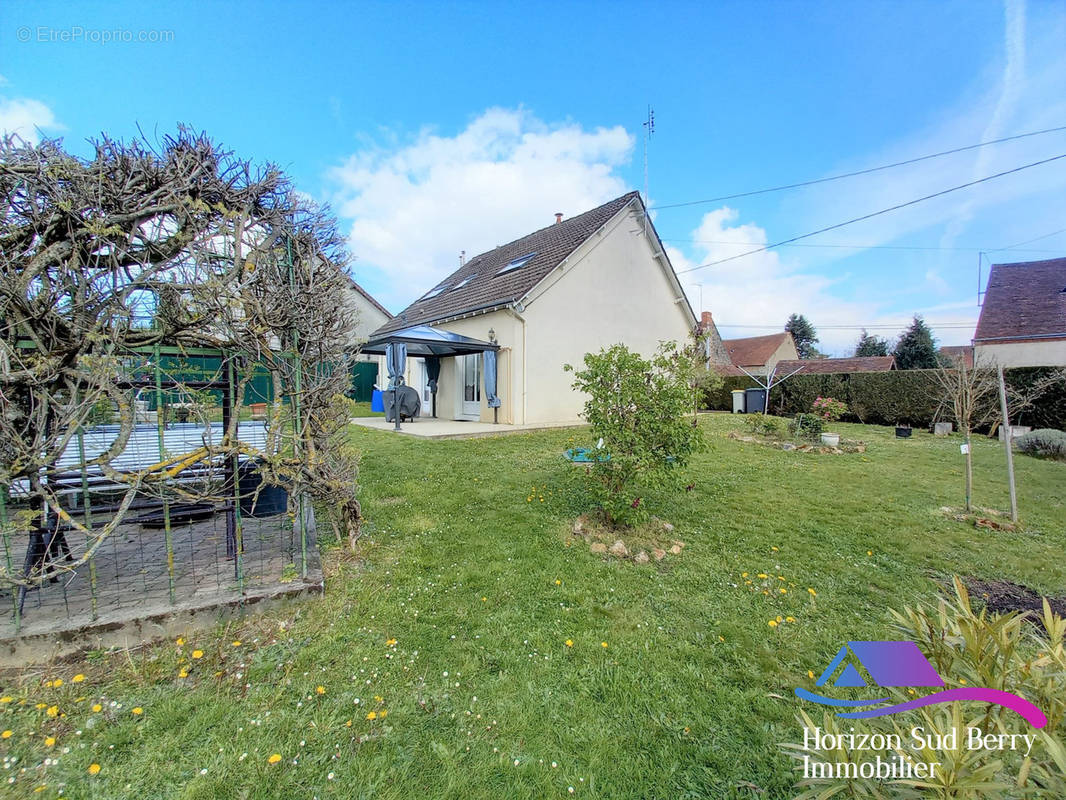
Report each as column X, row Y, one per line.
column 451, row 626
column 363, row 410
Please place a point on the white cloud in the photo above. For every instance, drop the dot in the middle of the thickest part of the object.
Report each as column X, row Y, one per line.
column 25, row 117
column 416, row 206
column 762, row 289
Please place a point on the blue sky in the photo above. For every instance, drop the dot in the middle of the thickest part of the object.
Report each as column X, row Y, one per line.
column 432, row 128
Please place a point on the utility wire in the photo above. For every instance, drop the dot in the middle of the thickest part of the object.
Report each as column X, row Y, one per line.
column 1029, row 241
column 1014, row 248
column 858, row 172
column 873, row 214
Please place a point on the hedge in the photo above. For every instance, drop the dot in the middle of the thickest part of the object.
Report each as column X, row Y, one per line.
column 887, row 398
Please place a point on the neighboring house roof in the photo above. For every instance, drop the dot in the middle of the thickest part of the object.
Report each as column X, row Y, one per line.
column 754, row 351
column 369, row 297
column 829, row 366
column 1025, row 300
column 955, row 352
column 485, row 282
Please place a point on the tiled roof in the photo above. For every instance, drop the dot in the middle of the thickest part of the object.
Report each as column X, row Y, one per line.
column 829, row 366
column 1024, row 300
column 965, row 352
column 754, row 351
column 487, row 288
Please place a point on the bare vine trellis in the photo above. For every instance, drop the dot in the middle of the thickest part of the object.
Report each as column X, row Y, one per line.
column 115, row 272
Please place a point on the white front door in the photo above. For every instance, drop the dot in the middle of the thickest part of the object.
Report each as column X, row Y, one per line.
column 471, row 387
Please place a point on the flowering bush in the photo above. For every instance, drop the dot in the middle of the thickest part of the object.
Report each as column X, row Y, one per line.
column 829, row 409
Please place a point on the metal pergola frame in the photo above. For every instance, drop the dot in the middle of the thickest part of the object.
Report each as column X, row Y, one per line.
column 426, row 341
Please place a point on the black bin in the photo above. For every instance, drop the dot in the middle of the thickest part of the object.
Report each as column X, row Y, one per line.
column 755, row 400
column 271, row 500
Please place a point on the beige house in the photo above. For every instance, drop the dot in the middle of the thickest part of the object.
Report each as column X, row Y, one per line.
column 546, row 299
column 1023, row 317
column 760, row 354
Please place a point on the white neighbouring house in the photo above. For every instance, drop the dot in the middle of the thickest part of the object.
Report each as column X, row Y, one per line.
column 573, row 287
column 1023, row 316
column 368, row 315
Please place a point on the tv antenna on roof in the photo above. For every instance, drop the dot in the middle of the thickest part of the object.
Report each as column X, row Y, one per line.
column 649, row 129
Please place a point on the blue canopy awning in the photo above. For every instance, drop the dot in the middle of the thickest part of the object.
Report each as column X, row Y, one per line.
column 423, row 340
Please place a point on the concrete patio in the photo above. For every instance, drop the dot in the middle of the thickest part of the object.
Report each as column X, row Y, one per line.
column 430, row 428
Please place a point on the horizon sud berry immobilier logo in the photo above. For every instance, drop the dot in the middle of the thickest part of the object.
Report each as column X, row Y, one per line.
column 900, row 664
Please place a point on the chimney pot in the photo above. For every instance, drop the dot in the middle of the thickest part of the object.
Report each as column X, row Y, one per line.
column 558, row 217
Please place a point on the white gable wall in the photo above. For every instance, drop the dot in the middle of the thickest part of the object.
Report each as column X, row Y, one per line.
column 612, row 289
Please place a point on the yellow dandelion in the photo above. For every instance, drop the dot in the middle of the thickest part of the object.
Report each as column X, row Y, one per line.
column 348, row 724
column 372, row 715
column 390, row 642
column 721, row 638
column 5, row 700
column 183, row 673
column 484, row 599
column 773, row 548
column 743, row 574
column 197, row 653
column 762, row 575
column 569, row 642
column 179, row 641
column 780, row 577
column 94, row 769
column 97, row 707
column 772, row 623
column 39, row 706
column 383, row 713
column 790, row 619
column 779, row 618
column 5, row 735
column 236, row 642
column 320, row 690
column 137, row 711
column 49, row 741
column 603, row 644
column 77, row 678
column 869, row 552
column 962, row 680
column 53, row 711
column 274, row 759
column 378, row 698
column 810, row 675
column 783, row 590
column 558, row 582
column 811, row 592
column 911, row 691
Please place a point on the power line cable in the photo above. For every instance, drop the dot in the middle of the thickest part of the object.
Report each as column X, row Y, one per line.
column 1029, row 241
column 885, row 246
column 874, row 214
column 858, row 172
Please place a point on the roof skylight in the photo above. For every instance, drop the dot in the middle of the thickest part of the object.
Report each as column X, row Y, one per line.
column 433, row 292
column 517, row 263
column 465, row 281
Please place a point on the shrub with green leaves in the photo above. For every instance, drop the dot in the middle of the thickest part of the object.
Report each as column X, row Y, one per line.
column 967, row 648
column 762, row 424
column 1043, row 443
column 806, row 426
column 639, row 408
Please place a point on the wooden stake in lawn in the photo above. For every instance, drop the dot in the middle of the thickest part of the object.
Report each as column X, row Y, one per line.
column 1007, row 443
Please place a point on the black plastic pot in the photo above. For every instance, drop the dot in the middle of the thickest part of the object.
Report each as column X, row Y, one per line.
column 903, row 431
